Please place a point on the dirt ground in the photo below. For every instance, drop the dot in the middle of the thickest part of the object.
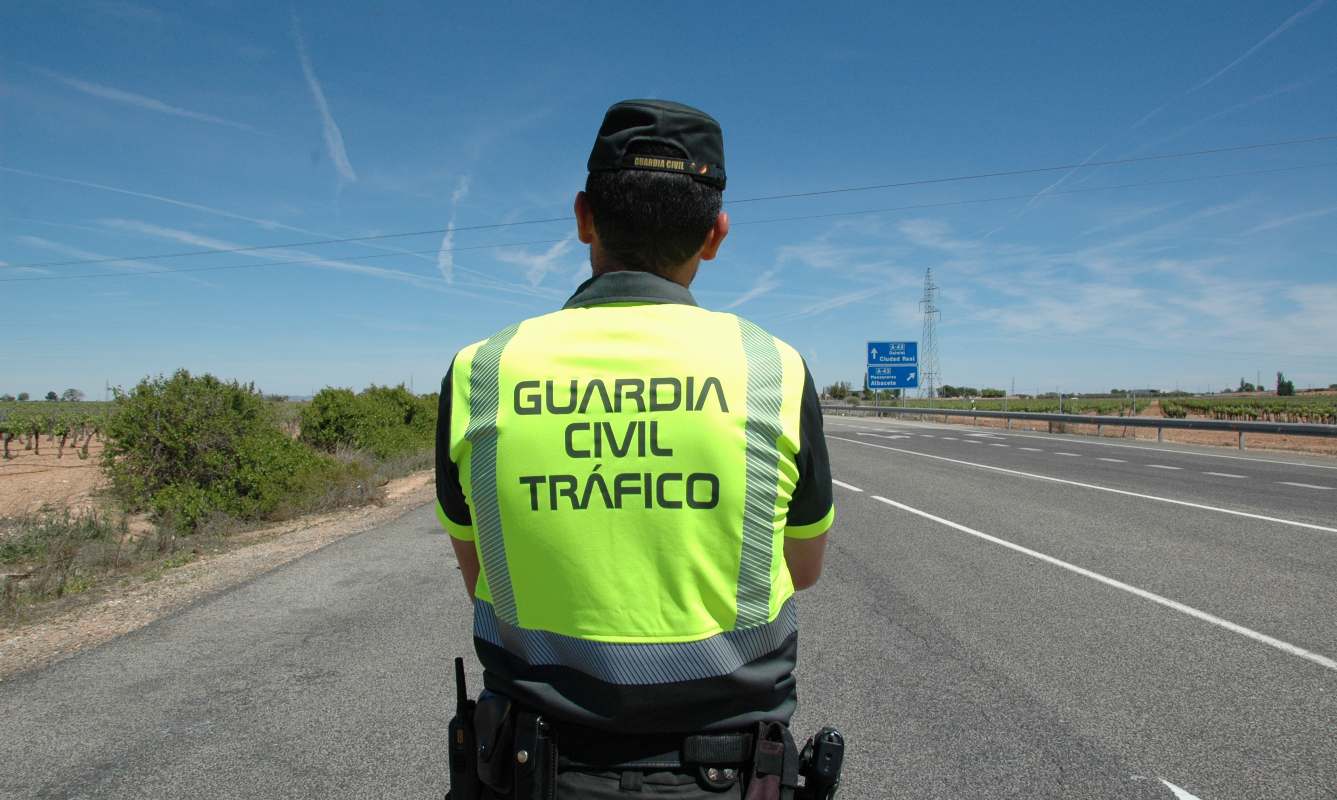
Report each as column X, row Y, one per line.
column 31, row 482
column 1252, row 441
column 128, row 607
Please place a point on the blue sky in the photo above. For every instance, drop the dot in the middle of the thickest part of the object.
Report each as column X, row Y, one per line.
column 131, row 129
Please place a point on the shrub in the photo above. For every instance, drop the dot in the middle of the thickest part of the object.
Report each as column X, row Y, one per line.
column 382, row 420
column 189, row 448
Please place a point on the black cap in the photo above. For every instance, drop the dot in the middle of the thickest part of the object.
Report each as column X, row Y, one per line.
column 693, row 133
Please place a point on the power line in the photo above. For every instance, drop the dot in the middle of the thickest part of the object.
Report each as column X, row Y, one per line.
column 764, row 198
column 1036, row 170
column 828, row 215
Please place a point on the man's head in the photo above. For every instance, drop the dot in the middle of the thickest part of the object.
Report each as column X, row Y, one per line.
column 652, row 200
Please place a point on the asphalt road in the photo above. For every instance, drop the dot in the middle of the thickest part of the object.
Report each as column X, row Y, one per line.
column 994, row 621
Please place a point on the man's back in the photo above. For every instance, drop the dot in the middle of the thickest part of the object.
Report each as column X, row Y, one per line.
column 630, row 467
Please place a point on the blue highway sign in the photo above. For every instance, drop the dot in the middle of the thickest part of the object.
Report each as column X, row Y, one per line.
column 893, row 354
column 893, row 377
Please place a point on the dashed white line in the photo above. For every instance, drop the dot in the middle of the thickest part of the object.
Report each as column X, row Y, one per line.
column 1161, row 466
column 928, row 436
column 1306, row 485
column 973, row 441
column 1031, row 449
column 1180, row 794
column 844, row 485
column 1096, row 487
column 996, row 444
column 1069, row 455
column 950, row 438
column 1113, row 460
column 1285, row 647
column 1224, row 474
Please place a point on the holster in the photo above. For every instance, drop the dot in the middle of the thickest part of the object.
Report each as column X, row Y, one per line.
column 494, row 725
column 535, row 758
column 775, row 764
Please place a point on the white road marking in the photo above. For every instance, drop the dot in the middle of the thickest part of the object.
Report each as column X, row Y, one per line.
column 1224, row 474
column 996, row 444
column 927, row 435
column 1081, row 440
column 950, row 438
column 972, row 441
column 1285, row 647
column 1035, row 476
column 1305, row 485
column 1161, row 466
column 1031, row 449
column 1113, row 460
column 1180, row 794
column 844, row 485
column 1069, row 455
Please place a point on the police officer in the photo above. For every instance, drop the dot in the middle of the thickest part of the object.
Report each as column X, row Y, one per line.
column 635, row 487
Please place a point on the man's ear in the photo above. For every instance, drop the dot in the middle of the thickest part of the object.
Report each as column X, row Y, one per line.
column 584, row 219
column 715, row 237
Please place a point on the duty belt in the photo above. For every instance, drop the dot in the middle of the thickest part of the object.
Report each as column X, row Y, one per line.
column 583, row 748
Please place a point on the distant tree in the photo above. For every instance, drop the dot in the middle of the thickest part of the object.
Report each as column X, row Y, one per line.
column 993, row 393
column 1245, row 386
column 838, row 390
column 6, row 398
column 1285, row 388
column 52, row 397
column 23, row 397
column 72, row 395
column 1332, row 386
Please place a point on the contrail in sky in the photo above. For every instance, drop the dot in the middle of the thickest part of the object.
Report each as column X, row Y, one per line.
column 445, row 259
column 1282, row 28
column 334, row 139
column 142, row 101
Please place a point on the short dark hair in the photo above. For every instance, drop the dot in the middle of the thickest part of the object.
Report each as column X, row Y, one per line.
column 651, row 221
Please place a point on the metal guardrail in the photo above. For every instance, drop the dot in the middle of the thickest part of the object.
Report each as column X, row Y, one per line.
column 1240, row 427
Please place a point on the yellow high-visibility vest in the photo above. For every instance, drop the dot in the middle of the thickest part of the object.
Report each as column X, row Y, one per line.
column 629, row 464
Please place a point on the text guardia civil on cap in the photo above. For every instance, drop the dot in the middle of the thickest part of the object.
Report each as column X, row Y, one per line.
column 689, row 131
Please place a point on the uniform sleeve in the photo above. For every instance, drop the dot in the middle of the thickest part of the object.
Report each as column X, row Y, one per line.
column 811, row 511
column 452, row 509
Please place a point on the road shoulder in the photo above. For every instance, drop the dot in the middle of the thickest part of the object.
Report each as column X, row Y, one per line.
column 131, row 607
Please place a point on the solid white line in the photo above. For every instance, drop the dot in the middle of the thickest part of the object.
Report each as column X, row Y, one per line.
column 1031, row 449
column 1077, row 439
column 1285, row 647
column 1305, row 485
column 1224, row 474
column 1098, row 488
column 1069, row 455
column 844, row 485
column 1161, row 466
column 1113, row 460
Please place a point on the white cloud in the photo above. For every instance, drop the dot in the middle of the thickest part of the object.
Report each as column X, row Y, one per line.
column 764, row 284
column 445, row 258
column 334, row 138
column 537, row 265
column 1291, row 220
column 142, row 101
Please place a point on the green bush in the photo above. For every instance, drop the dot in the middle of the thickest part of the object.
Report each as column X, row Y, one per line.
column 190, row 447
column 382, row 420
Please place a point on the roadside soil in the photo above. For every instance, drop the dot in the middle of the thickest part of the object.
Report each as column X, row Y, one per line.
column 1252, row 441
column 30, row 483
column 127, row 607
